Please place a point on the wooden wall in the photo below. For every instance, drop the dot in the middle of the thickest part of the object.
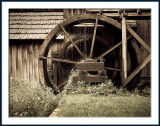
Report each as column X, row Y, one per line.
column 144, row 31
column 23, row 58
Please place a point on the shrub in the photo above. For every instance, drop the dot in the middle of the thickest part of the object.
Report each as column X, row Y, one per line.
column 82, row 87
column 30, row 99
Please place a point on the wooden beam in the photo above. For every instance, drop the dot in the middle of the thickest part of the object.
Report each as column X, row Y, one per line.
column 143, row 64
column 117, row 10
column 113, row 69
column 58, row 60
column 124, row 48
column 89, row 78
column 72, row 41
column 90, row 66
column 138, row 38
column 132, row 15
column 55, row 73
column 94, row 35
column 111, row 49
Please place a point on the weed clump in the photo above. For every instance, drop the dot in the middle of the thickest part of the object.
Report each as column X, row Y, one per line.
column 105, row 89
column 82, row 87
column 30, row 99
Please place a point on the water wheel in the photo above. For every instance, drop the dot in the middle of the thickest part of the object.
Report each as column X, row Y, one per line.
column 98, row 44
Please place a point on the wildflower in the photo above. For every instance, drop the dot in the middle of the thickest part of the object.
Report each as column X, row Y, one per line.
column 16, row 99
column 20, row 115
column 23, row 100
column 16, row 113
column 38, row 98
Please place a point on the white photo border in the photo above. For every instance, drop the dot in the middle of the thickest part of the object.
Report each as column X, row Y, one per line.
column 154, row 119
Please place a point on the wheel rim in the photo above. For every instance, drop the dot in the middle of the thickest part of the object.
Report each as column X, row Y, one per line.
column 62, row 27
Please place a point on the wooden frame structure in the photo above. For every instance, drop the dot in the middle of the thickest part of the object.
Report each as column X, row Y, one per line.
column 121, row 26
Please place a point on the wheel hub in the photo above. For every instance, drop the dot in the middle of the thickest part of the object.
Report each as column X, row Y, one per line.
column 90, row 65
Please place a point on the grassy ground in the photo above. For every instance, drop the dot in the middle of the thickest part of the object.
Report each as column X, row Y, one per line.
column 85, row 100
column 86, row 105
column 80, row 100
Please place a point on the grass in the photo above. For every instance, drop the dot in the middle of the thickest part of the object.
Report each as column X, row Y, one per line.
column 79, row 100
column 30, row 99
column 85, row 100
column 87, row 105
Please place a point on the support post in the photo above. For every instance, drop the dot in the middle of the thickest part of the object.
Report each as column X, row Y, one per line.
column 139, row 68
column 55, row 71
column 124, row 49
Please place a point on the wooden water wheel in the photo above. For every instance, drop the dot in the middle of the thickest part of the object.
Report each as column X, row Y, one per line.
column 73, row 52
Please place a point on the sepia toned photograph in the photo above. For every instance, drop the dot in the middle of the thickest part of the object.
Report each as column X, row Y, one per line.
column 86, row 62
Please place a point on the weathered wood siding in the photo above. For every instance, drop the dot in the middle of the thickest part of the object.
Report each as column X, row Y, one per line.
column 144, row 31
column 23, row 58
column 27, row 30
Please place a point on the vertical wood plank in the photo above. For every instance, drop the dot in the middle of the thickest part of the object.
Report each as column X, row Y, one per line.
column 144, row 51
column 27, row 55
column 64, row 14
column 149, row 43
column 55, row 73
column 24, row 60
column 30, row 62
column 120, row 60
column 54, row 49
column 49, row 61
column 59, row 68
column 39, row 62
column 10, row 59
column 14, row 59
column 124, row 49
column 33, row 59
column 128, row 62
column 19, row 48
column 71, row 12
column 140, row 31
column 36, row 61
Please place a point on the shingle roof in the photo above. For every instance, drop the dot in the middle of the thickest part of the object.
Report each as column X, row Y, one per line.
column 33, row 25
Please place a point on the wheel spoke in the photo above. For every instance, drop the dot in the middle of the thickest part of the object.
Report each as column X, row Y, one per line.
column 58, row 60
column 94, row 35
column 113, row 69
column 72, row 41
column 111, row 49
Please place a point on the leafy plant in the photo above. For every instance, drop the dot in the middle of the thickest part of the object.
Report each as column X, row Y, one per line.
column 30, row 99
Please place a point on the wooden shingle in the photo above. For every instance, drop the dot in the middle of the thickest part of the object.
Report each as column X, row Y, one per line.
column 33, row 25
